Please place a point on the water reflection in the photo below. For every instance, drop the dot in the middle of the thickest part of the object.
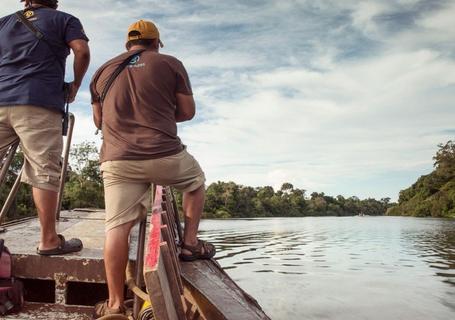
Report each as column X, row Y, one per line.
column 346, row 268
column 436, row 247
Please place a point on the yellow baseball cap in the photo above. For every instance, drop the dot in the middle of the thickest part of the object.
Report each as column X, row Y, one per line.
column 143, row 30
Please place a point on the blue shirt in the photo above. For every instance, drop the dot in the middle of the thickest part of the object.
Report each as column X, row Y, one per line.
column 30, row 72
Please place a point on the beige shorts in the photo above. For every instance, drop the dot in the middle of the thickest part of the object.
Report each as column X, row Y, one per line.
column 40, row 133
column 127, row 184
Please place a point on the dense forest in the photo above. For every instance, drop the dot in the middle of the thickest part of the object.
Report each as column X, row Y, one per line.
column 84, row 189
column 230, row 200
column 433, row 195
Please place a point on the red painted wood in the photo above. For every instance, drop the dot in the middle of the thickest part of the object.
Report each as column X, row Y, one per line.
column 154, row 240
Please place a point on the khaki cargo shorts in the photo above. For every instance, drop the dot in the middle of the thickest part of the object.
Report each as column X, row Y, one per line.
column 40, row 133
column 127, row 184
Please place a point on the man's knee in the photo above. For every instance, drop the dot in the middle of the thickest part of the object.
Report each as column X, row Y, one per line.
column 121, row 231
column 200, row 189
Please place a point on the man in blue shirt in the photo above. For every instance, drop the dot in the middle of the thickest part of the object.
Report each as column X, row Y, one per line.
column 32, row 102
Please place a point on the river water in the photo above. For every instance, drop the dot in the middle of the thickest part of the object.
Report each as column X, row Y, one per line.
column 341, row 267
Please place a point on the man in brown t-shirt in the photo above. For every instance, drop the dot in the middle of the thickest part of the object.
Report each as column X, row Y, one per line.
column 138, row 117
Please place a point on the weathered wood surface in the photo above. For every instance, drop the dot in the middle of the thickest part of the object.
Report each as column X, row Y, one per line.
column 173, row 278
column 207, row 285
column 159, row 276
column 209, row 291
column 82, row 271
column 216, row 294
column 86, row 265
column 39, row 311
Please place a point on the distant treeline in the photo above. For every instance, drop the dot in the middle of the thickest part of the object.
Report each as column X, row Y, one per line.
column 433, row 195
column 84, row 189
column 230, row 200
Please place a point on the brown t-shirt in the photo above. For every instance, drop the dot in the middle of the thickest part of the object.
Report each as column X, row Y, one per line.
column 139, row 109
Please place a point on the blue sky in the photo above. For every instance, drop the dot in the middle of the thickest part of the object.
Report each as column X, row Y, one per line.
column 342, row 97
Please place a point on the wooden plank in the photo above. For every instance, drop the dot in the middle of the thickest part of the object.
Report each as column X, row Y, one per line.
column 173, row 202
column 173, row 251
column 216, row 294
column 155, row 275
column 168, row 216
column 171, row 240
column 173, row 278
column 158, row 288
column 154, row 239
column 153, row 248
column 165, row 218
column 35, row 311
column 192, row 312
column 173, row 213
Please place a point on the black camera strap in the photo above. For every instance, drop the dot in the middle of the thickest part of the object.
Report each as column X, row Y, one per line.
column 115, row 74
column 38, row 34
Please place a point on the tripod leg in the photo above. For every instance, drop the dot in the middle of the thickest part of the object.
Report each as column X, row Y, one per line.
column 11, row 196
column 7, row 161
column 65, row 164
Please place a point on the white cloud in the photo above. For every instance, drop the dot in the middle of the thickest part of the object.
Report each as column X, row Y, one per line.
column 365, row 12
column 84, row 129
column 323, row 94
column 441, row 21
column 357, row 120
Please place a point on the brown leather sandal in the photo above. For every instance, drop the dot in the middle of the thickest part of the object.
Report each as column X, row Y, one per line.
column 203, row 250
column 102, row 310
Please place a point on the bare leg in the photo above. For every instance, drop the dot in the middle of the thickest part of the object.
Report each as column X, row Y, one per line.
column 46, row 202
column 193, row 204
column 115, row 261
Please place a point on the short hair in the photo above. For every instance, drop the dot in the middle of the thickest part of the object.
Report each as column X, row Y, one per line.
column 138, row 42
column 141, row 42
column 48, row 3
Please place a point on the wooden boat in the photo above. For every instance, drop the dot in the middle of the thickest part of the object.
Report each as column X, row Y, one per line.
column 67, row 286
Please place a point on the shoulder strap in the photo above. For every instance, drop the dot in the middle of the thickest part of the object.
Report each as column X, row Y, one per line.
column 37, row 33
column 115, row 74
column 29, row 25
column 40, row 36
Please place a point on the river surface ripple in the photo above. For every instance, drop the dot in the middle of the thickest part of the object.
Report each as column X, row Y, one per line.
column 341, row 267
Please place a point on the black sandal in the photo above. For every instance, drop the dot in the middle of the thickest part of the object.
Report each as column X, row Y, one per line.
column 66, row 246
column 203, row 250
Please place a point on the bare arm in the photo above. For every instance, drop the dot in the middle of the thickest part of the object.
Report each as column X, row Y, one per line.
column 81, row 61
column 97, row 114
column 186, row 108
